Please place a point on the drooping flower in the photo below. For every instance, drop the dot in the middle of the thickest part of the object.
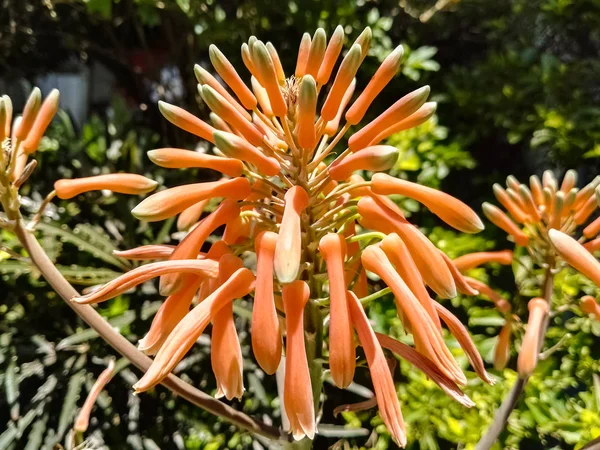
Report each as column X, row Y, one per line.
column 530, row 348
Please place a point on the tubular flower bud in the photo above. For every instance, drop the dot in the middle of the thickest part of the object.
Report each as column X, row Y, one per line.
column 289, row 243
column 536, row 190
column 501, row 220
column 530, row 348
column 297, row 392
column 3, row 134
column 8, row 115
column 376, row 158
column 333, row 125
column 529, row 203
column 262, row 96
column 231, row 77
column 42, row 120
column 449, row 209
column 585, row 211
column 364, row 41
column 592, row 246
column 236, row 147
column 420, row 116
column 344, row 77
column 191, row 215
column 83, row 418
column 388, row 69
column 576, row 255
column 170, row 202
column 122, row 183
column 277, row 63
column 501, row 304
column 146, row 252
column 204, row 77
column 266, row 336
column 472, row 260
column 334, row 48
column 303, row 53
column 460, row 281
column 342, row 357
column 396, row 113
column 592, row 229
column 316, row 54
column 185, row 334
column 175, row 158
column 383, row 383
column 186, row 121
column 502, row 349
column 307, row 106
column 590, row 306
column 509, row 204
column 569, row 181
column 268, row 77
column 30, row 112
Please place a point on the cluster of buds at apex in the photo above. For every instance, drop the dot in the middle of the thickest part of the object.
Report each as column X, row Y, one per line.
column 291, row 195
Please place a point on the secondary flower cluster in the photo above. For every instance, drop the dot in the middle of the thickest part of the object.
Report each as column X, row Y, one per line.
column 288, row 195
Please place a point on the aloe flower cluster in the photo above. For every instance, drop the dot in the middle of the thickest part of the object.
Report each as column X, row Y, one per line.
column 546, row 218
column 291, row 194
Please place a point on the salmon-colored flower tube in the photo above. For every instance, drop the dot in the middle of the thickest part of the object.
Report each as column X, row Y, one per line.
column 170, row 313
column 364, row 41
column 30, row 112
column 376, row 158
column 396, row 113
column 225, row 351
column 388, row 69
column 42, row 120
column 501, row 220
column 191, row 215
column 343, row 78
column 592, row 246
column 144, row 273
column 585, row 193
column 428, row 339
column 509, row 204
column 8, row 114
column 303, row 52
column 501, row 304
column 342, row 356
column 383, row 383
column 589, row 305
column 502, row 349
column 262, row 97
column 585, row 211
column 288, row 252
column 236, row 147
column 334, row 48
column 307, row 107
column 276, row 63
column 268, row 77
column 190, row 246
column 381, row 214
column 297, row 391
column 186, row 121
column 420, row 116
column 176, row 158
column 332, row 126
column 569, row 181
column 536, row 190
column 167, row 203
column 226, row 71
column 123, row 183
column 398, row 253
column 530, row 347
column 192, row 326
column 459, row 280
column 146, row 252
column 266, row 335
column 83, row 418
column 460, row 332
column 318, row 45
column 592, row 230
column 472, row 260
column 576, row 255
column 449, row 209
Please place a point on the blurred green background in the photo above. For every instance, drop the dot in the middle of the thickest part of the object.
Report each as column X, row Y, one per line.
column 517, row 83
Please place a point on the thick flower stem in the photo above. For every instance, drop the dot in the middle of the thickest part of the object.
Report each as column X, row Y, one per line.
column 510, row 401
column 128, row 350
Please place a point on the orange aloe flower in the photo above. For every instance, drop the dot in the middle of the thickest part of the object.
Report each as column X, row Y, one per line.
column 83, row 417
column 590, row 306
column 43, row 118
column 501, row 220
column 530, row 348
column 297, row 391
column 501, row 304
column 576, row 255
column 460, row 281
column 375, row 159
column 146, row 252
column 190, row 216
column 472, row 260
column 176, row 158
column 502, row 349
column 123, row 183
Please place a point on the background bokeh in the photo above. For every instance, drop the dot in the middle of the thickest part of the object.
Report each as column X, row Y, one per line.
column 517, row 82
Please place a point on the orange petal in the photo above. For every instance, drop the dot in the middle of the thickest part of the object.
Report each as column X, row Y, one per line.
column 146, row 252
column 226, row 71
column 501, row 304
column 170, row 202
column 190, row 246
column 176, row 158
column 449, row 209
column 288, row 252
column 123, row 183
column 396, row 113
column 307, row 107
column 297, row 392
column 332, row 126
column 530, row 347
column 83, row 417
column 383, row 384
column 236, row 147
column 186, row 121
column 303, row 52
column 342, row 356
column 316, row 54
column 266, row 335
column 344, row 77
column 388, row 69
column 472, row 260
column 589, row 305
column 185, row 334
column 501, row 220
column 576, row 255
column 171, row 312
column 376, row 158
column 334, row 48
column 44, row 117
column 144, row 273
column 191, row 215
column 502, row 350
